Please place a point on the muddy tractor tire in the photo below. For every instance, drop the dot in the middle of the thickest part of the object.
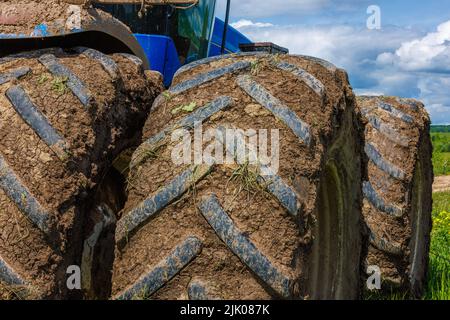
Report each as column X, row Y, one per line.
column 229, row 229
column 64, row 116
column 398, row 190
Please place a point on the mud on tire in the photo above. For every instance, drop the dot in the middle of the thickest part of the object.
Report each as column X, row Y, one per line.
column 225, row 231
column 398, row 190
column 64, row 116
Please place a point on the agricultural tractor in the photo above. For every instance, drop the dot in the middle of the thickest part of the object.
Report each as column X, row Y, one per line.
column 96, row 98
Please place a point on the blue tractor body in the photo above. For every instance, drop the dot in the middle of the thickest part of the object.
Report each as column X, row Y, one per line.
column 163, row 55
column 233, row 40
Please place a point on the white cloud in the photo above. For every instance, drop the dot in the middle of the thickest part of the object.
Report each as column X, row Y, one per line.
column 426, row 61
column 370, row 57
column 363, row 92
column 251, row 9
column 430, row 53
column 248, row 23
column 346, row 46
column 439, row 114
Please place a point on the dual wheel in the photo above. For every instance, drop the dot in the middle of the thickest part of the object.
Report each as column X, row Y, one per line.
column 353, row 190
column 208, row 229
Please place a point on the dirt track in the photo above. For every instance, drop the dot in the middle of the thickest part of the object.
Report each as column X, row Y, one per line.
column 441, row 184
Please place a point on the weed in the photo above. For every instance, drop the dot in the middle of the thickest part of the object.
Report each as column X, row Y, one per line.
column 145, row 154
column 167, row 95
column 256, row 66
column 151, row 152
column 186, row 108
column 248, row 179
column 142, row 294
column 43, row 78
column 17, row 292
column 439, row 269
column 59, row 85
column 275, row 59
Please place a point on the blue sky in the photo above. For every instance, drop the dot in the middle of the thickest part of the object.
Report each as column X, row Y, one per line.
column 408, row 57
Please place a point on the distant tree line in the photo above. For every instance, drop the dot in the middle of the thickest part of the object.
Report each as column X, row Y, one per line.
column 440, row 128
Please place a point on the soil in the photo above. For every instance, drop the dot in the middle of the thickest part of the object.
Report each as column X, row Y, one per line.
column 22, row 16
column 95, row 134
column 258, row 214
column 395, row 191
column 441, row 184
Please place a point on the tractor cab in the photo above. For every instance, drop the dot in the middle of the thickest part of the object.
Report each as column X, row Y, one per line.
column 171, row 35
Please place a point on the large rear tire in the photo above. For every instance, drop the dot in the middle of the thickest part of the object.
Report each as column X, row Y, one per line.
column 213, row 231
column 64, row 116
column 398, row 191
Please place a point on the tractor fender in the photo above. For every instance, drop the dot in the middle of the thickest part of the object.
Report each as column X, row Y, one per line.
column 28, row 25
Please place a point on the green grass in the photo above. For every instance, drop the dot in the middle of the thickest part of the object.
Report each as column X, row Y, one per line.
column 439, row 271
column 441, row 153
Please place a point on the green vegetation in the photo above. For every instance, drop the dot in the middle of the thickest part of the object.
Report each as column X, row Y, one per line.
column 59, row 85
column 186, row 108
column 439, row 270
column 246, row 176
column 441, row 152
column 435, row 129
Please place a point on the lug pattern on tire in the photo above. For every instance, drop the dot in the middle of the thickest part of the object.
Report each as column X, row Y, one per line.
column 243, row 248
column 151, row 206
column 165, row 270
column 234, row 244
column 260, row 94
column 14, row 74
column 73, row 82
column 397, row 129
column 41, row 150
column 37, row 121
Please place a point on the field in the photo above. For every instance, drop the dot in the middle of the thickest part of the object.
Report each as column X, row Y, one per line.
column 439, row 272
column 441, row 153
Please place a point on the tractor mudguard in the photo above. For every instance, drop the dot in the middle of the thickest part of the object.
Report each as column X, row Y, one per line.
column 27, row 25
